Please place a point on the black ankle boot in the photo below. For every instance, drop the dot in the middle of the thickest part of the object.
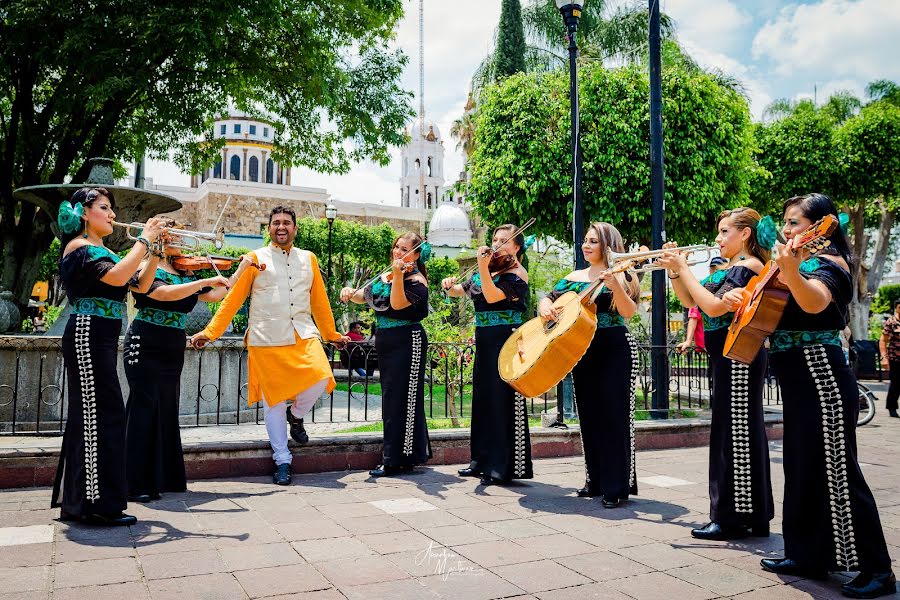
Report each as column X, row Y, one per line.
column 760, row 530
column 385, row 471
column 587, row 492
column 298, row 432
column 870, row 585
column 610, row 501
column 469, row 472
column 893, row 413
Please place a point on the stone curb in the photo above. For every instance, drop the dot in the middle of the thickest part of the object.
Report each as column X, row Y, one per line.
column 29, row 467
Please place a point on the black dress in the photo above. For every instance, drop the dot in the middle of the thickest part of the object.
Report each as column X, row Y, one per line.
column 830, row 517
column 740, row 484
column 604, row 381
column 500, row 441
column 154, row 358
column 401, row 345
column 90, row 477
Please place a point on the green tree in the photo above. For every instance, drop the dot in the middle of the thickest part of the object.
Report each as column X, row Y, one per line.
column 121, row 79
column 520, row 163
column 510, row 56
column 605, row 32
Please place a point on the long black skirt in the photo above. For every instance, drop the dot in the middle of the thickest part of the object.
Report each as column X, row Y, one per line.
column 740, row 485
column 830, row 517
column 154, row 359
column 90, row 477
column 604, row 394
column 401, row 359
column 501, row 443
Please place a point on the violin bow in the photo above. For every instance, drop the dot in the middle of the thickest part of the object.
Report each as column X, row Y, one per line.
column 377, row 277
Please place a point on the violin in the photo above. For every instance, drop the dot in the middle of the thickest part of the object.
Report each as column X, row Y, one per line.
column 406, row 269
column 501, row 262
column 217, row 263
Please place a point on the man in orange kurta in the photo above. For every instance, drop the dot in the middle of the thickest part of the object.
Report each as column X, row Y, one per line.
column 286, row 360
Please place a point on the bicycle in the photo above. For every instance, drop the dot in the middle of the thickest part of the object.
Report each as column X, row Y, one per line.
column 866, row 405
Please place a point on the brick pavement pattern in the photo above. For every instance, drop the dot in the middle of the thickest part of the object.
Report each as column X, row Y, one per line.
column 424, row 536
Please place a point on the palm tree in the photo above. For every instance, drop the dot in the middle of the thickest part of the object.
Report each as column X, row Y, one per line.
column 604, row 33
column 463, row 131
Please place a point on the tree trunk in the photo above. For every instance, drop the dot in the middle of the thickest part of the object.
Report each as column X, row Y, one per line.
column 864, row 291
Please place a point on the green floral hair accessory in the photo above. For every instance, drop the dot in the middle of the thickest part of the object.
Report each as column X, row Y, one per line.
column 69, row 217
column 844, row 220
column 425, row 252
column 766, row 233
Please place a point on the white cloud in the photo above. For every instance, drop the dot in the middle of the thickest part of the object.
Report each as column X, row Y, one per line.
column 838, row 37
column 719, row 25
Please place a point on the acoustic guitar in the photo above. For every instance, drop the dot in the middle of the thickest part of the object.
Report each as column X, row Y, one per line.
column 765, row 298
column 540, row 353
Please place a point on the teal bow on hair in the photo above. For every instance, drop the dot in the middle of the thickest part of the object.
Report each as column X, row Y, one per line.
column 69, row 217
column 425, row 252
column 529, row 241
column 844, row 220
column 766, row 233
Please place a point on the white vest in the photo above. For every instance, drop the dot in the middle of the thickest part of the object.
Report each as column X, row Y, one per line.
column 280, row 295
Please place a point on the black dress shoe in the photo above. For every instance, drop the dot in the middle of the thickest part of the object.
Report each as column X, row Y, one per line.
column 469, row 472
column 586, row 492
column 787, row 566
column 282, row 474
column 385, row 470
column 870, row 585
column 714, row 531
column 68, row 517
column 110, row 519
column 610, row 501
column 298, row 432
column 142, row 498
column 488, row 480
column 760, row 530
column 893, row 413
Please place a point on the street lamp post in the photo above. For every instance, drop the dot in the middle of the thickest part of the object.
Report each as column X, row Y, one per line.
column 571, row 12
column 659, row 367
column 331, row 215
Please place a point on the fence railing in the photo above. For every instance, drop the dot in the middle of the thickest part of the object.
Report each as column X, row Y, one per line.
column 33, row 389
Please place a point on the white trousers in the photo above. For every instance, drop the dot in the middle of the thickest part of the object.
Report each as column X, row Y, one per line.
column 276, row 419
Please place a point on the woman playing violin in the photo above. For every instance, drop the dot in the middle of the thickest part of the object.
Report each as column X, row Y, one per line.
column 500, row 441
column 400, row 301
column 740, row 489
column 605, row 377
column 154, row 357
column 830, row 518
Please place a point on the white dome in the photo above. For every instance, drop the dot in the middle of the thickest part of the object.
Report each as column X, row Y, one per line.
column 449, row 226
column 430, row 126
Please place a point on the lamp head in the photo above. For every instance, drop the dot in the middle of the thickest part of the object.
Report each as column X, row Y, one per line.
column 571, row 12
column 330, row 213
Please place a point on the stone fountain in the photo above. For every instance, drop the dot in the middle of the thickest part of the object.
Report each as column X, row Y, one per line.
column 132, row 204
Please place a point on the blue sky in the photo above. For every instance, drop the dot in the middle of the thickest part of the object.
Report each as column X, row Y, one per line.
column 777, row 48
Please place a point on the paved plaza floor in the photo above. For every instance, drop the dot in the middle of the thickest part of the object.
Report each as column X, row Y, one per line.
column 424, row 536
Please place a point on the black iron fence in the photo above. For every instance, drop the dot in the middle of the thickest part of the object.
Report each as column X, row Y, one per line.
column 33, row 394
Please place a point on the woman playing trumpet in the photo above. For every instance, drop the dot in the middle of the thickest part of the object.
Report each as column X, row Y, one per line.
column 605, row 377
column 740, row 490
column 90, row 479
column 500, row 442
column 400, row 301
column 154, row 357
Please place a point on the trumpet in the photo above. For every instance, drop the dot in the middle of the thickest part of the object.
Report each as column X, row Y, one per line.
column 184, row 239
column 644, row 262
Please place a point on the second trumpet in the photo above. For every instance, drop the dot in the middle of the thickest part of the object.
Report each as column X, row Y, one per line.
column 645, row 261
